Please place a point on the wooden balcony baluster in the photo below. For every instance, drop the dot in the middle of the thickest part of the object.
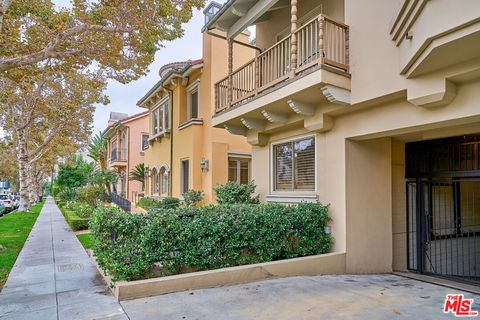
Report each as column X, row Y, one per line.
column 321, row 41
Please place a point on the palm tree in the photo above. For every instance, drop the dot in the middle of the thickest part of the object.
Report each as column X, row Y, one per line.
column 138, row 173
column 97, row 150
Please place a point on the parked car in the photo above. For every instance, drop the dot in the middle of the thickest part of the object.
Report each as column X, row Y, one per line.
column 7, row 201
column 16, row 200
column 3, row 210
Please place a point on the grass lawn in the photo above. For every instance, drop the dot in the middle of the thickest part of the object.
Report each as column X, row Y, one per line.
column 14, row 230
column 85, row 240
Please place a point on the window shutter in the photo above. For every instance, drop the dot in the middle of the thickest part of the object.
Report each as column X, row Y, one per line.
column 232, row 170
column 283, row 166
column 304, row 152
column 244, row 173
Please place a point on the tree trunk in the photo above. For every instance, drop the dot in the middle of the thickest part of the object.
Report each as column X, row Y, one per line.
column 32, row 183
column 23, row 172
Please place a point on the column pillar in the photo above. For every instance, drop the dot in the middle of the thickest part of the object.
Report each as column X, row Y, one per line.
column 293, row 47
column 230, row 71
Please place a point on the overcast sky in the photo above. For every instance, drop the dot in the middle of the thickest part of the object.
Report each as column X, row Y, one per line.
column 123, row 97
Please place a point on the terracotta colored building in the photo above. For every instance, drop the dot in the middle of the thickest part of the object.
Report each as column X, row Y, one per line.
column 184, row 150
column 373, row 107
column 127, row 139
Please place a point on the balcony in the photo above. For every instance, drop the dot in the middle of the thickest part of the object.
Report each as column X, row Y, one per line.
column 118, row 157
column 321, row 44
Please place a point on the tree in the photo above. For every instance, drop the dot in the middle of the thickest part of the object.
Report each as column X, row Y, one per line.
column 121, row 36
column 8, row 164
column 97, row 151
column 138, row 173
column 54, row 64
column 73, row 173
column 45, row 109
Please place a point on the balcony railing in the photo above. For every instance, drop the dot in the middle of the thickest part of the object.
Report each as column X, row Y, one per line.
column 118, row 155
column 320, row 41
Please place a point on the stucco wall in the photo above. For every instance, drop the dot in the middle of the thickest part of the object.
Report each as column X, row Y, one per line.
column 362, row 177
column 200, row 141
column 135, row 154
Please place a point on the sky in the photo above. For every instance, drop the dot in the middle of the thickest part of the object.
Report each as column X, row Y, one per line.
column 123, row 97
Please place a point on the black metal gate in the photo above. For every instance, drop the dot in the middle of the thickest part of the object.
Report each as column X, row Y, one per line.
column 443, row 208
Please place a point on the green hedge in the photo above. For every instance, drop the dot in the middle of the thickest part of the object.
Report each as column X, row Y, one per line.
column 127, row 246
column 74, row 221
column 151, row 203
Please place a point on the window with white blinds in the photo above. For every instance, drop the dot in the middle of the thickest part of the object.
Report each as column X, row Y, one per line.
column 294, row 163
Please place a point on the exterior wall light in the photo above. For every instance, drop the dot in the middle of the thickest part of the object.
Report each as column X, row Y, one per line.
column 204, row 164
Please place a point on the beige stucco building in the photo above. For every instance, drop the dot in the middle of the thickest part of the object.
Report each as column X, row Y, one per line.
column 126, row 138
column 372, row 107
column 185, row 152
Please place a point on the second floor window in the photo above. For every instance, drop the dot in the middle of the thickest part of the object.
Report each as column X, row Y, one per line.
column 193, row 102
column 161, row 117
column 144, row 141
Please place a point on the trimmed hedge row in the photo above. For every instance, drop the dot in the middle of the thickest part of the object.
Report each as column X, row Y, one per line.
column 130, row 246
column 74, row 221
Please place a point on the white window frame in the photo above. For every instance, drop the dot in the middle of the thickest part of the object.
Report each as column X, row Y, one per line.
column 141, row 141
column 192, row 88
column 163, row 120
column 272, row 165
column 238, row 160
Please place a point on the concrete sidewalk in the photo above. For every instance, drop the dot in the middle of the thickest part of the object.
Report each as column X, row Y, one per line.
column 53, row 277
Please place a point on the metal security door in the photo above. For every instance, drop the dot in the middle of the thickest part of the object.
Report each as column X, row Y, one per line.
column 443, row 214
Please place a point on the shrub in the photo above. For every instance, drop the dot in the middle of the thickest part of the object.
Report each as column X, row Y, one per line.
column 92, row 194
column 170, row 203
column 235, row 193
column 147, row 203
column 128, row 246
column 81, row 209
column 67, row 194
column 74, row 221
column 192, row 197
column 118, row 242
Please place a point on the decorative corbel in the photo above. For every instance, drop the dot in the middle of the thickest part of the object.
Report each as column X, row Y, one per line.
column 275, row 117
column 253, row 124
column 301, row 108
column 336, row 95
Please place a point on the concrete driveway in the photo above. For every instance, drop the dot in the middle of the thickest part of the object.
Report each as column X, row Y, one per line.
column 320, row 297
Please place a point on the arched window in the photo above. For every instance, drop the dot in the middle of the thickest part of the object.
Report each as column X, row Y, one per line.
column 164, row 178
column 154, row 181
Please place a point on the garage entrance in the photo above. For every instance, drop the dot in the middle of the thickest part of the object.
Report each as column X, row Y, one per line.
column 443, row 207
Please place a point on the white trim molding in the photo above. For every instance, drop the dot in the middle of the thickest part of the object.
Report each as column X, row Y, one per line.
column 190, row 122
column 284, row 198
